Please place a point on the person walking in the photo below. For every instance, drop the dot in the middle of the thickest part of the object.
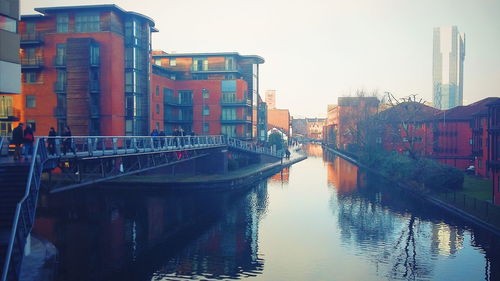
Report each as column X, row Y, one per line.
column 17, row 140
column 68, row 141
column 51, row 142
column 29, row 138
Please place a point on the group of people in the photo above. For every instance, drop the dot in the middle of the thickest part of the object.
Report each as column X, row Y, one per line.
column 23, row 139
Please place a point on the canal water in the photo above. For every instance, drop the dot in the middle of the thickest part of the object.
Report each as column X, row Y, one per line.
column 321, row 219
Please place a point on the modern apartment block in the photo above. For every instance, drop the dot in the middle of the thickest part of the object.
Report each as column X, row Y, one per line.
column 10, row 68
column 206, row 93
column 493, row 160
column 87, row 67
column 448, row 67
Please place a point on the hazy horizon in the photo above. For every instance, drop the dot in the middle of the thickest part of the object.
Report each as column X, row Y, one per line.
column 318, row 50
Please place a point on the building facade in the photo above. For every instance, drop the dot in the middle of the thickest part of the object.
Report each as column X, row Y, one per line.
column 493, row 160
column 271, row 99
column 10, row 67
column 87, row 67
column 279, row 119
column 448, row 67
column 207, row 93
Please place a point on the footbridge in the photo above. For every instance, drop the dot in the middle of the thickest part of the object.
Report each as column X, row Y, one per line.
column 63, row 163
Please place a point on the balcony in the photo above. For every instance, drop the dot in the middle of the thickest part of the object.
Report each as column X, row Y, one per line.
column 31, row 39
column 32, row 63
column 236, row 121
column 60, row 112
column 232, row 102
column 215, row 69
column 59, row 62
column 60, row 87
column 175, row 102
column 179, row 120
column 94, row 86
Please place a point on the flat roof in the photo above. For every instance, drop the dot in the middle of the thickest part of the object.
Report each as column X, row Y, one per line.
column 48, row 10
column 258, row 59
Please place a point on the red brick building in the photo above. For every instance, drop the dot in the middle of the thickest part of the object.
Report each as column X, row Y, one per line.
column 86, row 67
column 206, row 93
column 493, row 161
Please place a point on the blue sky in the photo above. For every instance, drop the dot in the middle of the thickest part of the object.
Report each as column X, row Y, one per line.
column 318, row 50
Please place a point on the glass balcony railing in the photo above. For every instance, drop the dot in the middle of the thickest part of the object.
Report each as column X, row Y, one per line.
column 35, row 62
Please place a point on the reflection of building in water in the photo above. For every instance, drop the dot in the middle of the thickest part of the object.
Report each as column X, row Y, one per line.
column 446, row 240
column 122, row 233
column 228, row 250
column 342, row 174
column 282, row 176
column 314, row 150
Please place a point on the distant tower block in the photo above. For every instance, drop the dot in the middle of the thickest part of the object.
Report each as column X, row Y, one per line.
column 448, row 67
column 271, row 99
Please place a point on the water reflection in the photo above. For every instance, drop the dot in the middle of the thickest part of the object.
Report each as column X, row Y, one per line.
column 130, row 236
column 402, row 235
column 283, row 176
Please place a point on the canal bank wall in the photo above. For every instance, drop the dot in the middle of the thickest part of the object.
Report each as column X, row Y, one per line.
column 425, row 196
column 232, row 180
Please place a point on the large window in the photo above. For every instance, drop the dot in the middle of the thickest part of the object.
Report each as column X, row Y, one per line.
column 6, row 106
column 87, row 22
column 229, row 114
column 30, row 77
column 30, row 101
column 185, row 97
column 173, row 62
column 229, row 130
column 168, row 95
column 62, row 23
column 94, row 54
column 200, row 64
column 133, row 32
column 8, row 24
column 60, row 54
column 206, row 128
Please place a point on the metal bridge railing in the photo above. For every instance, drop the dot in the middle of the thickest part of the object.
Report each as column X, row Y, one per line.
column 25, row 214
column 119, row 145
column 248, row 146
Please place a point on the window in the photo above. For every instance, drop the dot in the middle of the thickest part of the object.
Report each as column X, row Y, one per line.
column 30, row 28
column 157, row 109
column 229, row 63
column 6, row 108
column 62, row 23
column 206, row 110
column 206, row 128
column 30, row 77
column 5, row 129
column 168, row 95
column 94, row 54
column 229, row 130
column 173, row 62
column 185, row 97
column 157, row 91
column 30, row 101
column 200, row 64
column 129, row 106
column 8, row 24
column 133, row 32
column 87, row 22
column 228, row 97
column 229, row 114
column 60, row 54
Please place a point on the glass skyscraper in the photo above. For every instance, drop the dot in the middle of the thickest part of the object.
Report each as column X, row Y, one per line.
column 448, row 67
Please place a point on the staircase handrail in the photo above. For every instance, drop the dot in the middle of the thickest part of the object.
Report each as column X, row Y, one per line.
column 26, row 208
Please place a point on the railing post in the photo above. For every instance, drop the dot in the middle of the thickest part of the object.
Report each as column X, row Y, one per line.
column 89, row 146
column 58, row 146
column 115, row 145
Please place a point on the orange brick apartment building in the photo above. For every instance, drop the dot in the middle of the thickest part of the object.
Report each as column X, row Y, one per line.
column 92, row 68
